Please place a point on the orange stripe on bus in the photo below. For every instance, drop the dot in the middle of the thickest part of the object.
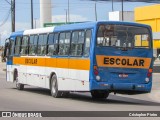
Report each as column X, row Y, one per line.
column 71, row 63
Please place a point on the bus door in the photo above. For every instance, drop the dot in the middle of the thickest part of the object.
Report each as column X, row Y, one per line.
column 8, row 54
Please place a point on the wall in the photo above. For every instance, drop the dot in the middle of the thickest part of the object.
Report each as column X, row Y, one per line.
column 150, row 15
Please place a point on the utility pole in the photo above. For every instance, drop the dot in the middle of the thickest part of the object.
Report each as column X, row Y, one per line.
column 122, row 12
column 66, row 15
column 95, row 7
column 13, row 15
column 112, row 6
column 35, row 20
column 0, row 40
column 31, row 14
column 68, row 12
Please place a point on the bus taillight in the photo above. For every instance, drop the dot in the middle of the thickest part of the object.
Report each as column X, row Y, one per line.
column 149, row 73
column 96, row 73
column 95, row 70
column 150, row 70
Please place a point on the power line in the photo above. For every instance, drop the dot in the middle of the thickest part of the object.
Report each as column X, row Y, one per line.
column 68, row 12
column 95, row 7
column 8, row 13
column 32, row 14
column 5, row 20
column 8, row 2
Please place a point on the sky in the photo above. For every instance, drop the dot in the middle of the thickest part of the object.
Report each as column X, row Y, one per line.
column 80, row 10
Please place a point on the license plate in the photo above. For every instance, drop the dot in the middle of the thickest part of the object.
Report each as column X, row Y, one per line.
column 123, row 75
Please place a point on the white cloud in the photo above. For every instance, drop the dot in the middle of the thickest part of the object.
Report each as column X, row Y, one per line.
column 73, row 18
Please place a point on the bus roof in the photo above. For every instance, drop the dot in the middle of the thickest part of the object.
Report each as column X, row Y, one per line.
column 76, row 26
column 93, row 24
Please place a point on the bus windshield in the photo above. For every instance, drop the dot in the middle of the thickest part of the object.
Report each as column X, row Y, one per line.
column 123, row 36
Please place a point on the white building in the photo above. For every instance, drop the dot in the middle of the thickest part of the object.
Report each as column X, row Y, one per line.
column 117, row 16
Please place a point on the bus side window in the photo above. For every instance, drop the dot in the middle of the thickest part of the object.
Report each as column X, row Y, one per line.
column 33, row 44
column 17, row 45
column 56, row 41
column 50, row 44
column 64, row 43
column 87, row 43
column 11, row 46
column 77, row 43
column 42, row 44
column 24, row 45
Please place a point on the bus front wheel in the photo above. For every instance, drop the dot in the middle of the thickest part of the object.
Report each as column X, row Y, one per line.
column 19, row 86
column 54, row 87
column 96, row 94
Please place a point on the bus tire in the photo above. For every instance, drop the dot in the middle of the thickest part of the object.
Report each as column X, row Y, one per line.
column 65, row 94
column 19, row 86
column 54, row 87
column 97, row 94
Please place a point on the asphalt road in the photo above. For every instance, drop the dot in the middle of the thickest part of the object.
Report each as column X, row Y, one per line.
column 38, row 99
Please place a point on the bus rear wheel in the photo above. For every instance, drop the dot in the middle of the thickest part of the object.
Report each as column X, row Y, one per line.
column 19, row 86
column 97, row 94
column 54, row 87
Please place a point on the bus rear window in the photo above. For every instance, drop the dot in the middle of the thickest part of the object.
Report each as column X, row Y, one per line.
column 123, row 36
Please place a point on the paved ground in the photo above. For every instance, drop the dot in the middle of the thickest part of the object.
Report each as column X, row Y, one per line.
column 38, row 99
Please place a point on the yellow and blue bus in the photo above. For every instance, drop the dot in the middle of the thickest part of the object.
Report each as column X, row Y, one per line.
column 99, row 57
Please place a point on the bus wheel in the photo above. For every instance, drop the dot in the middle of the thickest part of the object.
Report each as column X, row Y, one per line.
column 96, row 94
column 54, row 87
column 65, row 94
column 19, row 86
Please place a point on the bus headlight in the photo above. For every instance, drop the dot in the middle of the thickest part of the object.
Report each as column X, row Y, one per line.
column 98, row 78
column 147, row 80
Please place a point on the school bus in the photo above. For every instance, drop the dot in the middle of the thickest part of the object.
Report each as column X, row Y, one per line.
column 99, row 57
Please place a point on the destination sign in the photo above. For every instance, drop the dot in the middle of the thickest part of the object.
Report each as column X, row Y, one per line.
column 123, row 61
